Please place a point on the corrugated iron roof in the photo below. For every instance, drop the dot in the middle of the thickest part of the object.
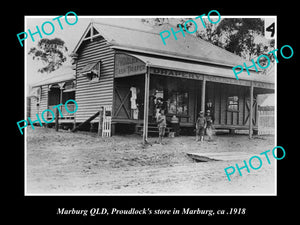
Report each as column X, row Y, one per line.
column 56, row 77
column 189, row 47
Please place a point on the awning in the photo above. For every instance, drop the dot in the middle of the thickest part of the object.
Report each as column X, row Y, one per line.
column 91, row 67
column 212, row 72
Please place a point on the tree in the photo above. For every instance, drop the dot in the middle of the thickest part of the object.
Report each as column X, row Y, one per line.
column 155, row 21
column 239, row 36
column 51, row 52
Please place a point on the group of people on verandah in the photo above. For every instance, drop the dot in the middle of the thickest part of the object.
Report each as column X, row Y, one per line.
column 204, row 123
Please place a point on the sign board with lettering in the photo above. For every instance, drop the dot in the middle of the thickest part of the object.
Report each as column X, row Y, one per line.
column 176, row 73
column 196, row 76
column 126, row 65
column 226, row 80
column 264, row 85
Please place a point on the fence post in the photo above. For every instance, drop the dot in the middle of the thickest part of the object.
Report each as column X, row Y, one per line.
column 100, row 121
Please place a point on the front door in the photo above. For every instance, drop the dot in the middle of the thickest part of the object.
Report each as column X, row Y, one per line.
column 122, row 102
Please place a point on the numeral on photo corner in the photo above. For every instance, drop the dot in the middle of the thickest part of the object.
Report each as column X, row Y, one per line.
column 270, row 28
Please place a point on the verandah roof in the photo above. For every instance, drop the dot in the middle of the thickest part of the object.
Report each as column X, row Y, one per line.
column 204, row 69
column 56, row 79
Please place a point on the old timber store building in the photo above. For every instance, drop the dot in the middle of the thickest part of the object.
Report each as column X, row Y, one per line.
column 124, row 69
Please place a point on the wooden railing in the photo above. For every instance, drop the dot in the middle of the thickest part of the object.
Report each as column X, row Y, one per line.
column 66, row 115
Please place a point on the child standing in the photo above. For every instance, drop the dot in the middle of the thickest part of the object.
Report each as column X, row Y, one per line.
column 200, row 127
column 175, row 125
column 161, row 124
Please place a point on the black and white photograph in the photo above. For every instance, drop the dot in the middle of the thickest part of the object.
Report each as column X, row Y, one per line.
column 151, row 105
column 138, row 112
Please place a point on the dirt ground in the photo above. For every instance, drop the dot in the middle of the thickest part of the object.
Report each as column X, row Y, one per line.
column 81, row 163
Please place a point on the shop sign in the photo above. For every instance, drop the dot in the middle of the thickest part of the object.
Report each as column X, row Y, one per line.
column 126, row 65
column 176, row 73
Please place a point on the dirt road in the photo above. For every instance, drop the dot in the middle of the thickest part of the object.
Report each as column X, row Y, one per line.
column 80, row 163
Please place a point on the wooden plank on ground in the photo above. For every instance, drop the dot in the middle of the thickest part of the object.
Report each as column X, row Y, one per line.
column 219, row 156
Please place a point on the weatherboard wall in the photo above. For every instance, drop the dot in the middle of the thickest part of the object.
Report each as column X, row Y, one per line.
column 38, row 108
column 91, row 95
column 34, row 107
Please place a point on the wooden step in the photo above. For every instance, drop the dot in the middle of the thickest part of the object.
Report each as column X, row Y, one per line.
column 152, row 129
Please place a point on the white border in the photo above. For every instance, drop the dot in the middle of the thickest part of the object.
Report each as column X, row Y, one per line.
column 174, row 16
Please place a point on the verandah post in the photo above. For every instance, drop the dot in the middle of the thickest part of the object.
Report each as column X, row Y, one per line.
column 146, row 104
column 251, row 111
column 61, row 88
column 203, row 95
column 56, row 120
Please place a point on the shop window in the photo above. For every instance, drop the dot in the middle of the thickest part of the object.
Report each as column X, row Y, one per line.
column 233, row 103
column 178, row 103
